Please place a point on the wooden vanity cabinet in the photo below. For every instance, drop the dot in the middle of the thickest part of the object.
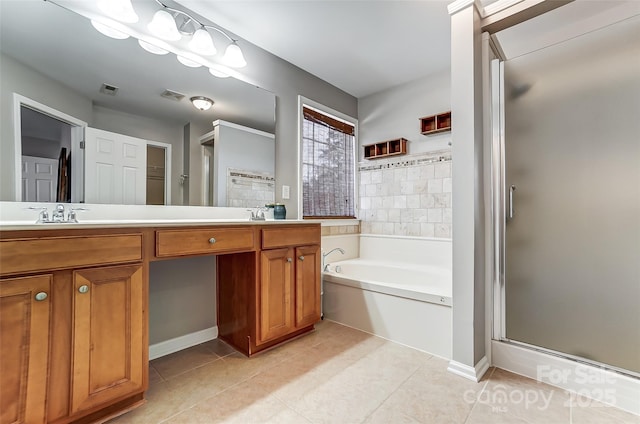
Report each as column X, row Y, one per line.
column 25, row 308
column 289, row 288
column 72, row 336
column 284, row 295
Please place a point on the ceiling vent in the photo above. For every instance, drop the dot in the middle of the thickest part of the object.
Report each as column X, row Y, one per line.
column 108, row 89
column 173, row 95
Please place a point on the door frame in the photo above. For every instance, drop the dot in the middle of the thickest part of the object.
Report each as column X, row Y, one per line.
column 167, row 168
column 77, row 135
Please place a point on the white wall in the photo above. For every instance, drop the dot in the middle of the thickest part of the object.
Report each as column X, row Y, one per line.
column 395, row 113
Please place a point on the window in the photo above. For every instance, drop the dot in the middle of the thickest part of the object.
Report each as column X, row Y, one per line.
column 328, row 166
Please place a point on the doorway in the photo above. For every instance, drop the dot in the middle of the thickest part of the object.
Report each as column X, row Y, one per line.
column 49, row 161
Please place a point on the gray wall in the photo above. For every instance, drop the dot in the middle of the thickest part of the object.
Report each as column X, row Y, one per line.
column 14, row 77
column 182, row 297
column 287, row 81
column 395, row 113
column 239, row 149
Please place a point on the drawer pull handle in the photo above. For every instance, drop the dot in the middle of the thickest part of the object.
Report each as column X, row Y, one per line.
column 83, row 289
column 212, row 240
column 41, row 296
column 289, row 260
column 301, row 257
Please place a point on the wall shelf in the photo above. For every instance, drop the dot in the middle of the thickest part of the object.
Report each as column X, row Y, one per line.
column 435, row 123
column 387, row 148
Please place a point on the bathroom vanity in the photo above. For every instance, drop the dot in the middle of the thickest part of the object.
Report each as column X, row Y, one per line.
column 74, row 306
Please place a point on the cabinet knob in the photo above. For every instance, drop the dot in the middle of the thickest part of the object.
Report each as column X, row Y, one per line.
column 212, row 240
column 301, row 257
column 83, row 289
column 41, row 296
column 289, row 260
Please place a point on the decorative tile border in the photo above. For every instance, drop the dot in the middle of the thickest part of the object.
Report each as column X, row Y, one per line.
column 432, row 157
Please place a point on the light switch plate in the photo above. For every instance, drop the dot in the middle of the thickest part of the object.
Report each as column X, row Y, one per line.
column 285, row 192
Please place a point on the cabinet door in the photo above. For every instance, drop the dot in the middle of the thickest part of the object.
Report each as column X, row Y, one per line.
column 307, row 285
column 108, row 333
column 275, row 313
column 24, row 348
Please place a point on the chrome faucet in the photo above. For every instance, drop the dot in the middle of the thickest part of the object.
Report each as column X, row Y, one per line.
column 258, row 214
column 325, row 267
column 57, row 215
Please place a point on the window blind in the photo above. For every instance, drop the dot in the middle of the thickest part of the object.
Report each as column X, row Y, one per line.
column 327, row 166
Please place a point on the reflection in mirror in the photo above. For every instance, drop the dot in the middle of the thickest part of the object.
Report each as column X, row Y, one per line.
column 103, row 121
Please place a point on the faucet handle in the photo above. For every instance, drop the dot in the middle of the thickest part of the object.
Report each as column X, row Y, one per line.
column 72, row 216
column 43, row 216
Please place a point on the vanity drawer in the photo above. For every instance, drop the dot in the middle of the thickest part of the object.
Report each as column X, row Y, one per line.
column 290, row 236
column 202, row 241
column 27, row 255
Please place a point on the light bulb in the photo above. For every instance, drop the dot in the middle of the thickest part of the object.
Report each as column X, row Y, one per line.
column 151, row 48
column 188, row 62
column 108, row 31
column 202, row 43
column 233, row 56
column 164, row 26
column 121, row 10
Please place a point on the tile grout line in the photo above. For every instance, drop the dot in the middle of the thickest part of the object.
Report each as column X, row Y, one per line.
column 484, row 387
column 394, row 391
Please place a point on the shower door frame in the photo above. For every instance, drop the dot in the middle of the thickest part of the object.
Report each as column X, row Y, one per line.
column 498, row 213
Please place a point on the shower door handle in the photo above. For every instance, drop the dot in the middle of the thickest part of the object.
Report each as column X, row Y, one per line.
column 511, row 190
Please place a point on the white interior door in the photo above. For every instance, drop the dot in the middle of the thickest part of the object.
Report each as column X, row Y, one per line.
column 39, row 179
column 115, row 168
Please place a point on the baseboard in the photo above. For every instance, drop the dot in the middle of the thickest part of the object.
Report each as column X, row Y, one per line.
column 469, row 372
column 592, row 382
column 170, row 346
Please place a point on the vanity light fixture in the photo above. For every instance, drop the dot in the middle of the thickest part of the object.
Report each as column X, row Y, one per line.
column 152, row 48
column 120, row 10
column 233, row 56
column 108, row 31
column 218, row 73
column 163, row 25
column 188, row 62
column 201, row 102
column 169, row 23
column 202, row 43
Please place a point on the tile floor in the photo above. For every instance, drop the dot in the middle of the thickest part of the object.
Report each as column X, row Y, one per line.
column 340, row 375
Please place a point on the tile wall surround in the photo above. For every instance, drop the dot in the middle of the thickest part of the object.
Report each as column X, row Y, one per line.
column 248, row 189
column 335, row 230
column 407, row 196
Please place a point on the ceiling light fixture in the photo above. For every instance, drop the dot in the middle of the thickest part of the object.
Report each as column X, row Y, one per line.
column 202, row 103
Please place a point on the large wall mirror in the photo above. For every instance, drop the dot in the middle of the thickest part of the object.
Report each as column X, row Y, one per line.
column 74, row 100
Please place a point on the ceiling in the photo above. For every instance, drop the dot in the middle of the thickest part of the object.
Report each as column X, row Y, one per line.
column 361, row 47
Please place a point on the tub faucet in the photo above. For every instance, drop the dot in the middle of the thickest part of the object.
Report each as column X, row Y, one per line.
column 324, row 255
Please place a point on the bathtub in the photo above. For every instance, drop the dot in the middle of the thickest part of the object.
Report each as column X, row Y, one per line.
column 399, row 288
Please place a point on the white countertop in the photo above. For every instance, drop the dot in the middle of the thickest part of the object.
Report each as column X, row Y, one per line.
column 23, row 216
